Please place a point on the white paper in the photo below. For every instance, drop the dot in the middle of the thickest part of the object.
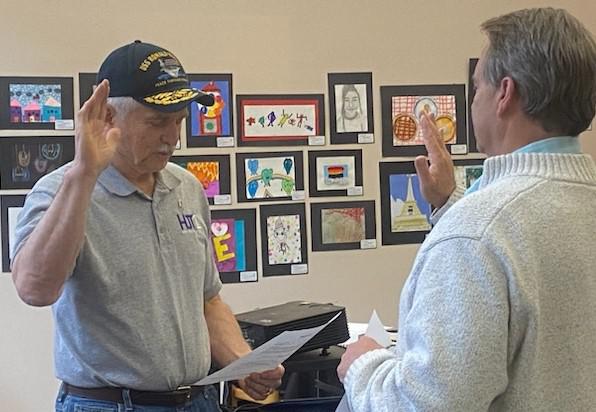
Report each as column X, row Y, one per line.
column 64, row 124
column 299, row 269
column 298, row 195
column 248, row 276
column 368, row 244
column 355, row 191
column 267, row 356
column 459, row 149
column 366, row 138
column 316, row 140
column 377, row 331
column 225, row 141
column 222, row 199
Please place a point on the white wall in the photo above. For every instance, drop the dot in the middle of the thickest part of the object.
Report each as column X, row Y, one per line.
column 271, row 46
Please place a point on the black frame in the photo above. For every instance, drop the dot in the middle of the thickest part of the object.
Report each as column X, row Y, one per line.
column 86, row 83
column 8, row 157
column 66, row 101
column 313, row 155
column 289, row 140
column 250, row 230
column 224, row 169
column 284, row 209
column 387, row 92
column 7, row 201
column 334, row 79
column 472, row 146
column 241, row 173
column 370, row 225
column 389, row 237
column 211, row 140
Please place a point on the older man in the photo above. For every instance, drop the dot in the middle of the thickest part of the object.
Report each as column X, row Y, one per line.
column 498, row 312
column 118, row 243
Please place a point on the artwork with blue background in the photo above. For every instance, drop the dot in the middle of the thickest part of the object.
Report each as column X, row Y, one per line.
column 409, row 210
column 214, row 120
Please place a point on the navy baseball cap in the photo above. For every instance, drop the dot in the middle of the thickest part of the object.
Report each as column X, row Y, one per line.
column 152, row 76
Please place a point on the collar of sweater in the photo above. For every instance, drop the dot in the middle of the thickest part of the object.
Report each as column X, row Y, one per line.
column 561, row 166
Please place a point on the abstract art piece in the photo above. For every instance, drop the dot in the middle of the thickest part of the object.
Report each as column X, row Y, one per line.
column 213, row 171
column 268, row 176
column 87, row 82
column 24, row 160
column 234, row 237
column 402, row 110
column 350, row 106
column 467, row 171
column 36, row 103
column 279, row 120
column 405, row 213
column 283, row 239
column 342, row 225
column 10, row 206
column 333, row 172
column 205, row 124
column 472, row 146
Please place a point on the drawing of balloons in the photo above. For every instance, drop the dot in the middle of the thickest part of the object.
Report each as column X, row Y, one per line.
column 252, row 188
column 266, row 176
column 287, row 186
column 288, row 163
column 253, row 166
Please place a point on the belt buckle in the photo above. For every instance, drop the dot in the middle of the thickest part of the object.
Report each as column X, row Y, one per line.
column 186, row 391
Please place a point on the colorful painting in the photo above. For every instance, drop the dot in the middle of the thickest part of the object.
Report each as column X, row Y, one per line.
column 228, row 244
column 409, row 210
column 343, row 225
column 24, row 160
column 403, row 108
column 213, row 171
column 205, row 124
column 350, row 106
column 35, row 103
column 407, row 115
column 234, row 236
column 269, row 177
column 279, row 120
column 335, row 173
column 10, row 206
column 466, row 176
column 284, row 239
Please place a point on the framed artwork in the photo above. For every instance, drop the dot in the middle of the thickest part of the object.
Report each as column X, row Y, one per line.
column 342, row 225
column 404, row 212
column 350, row 106
column 467, row 171
column 402, row 108
column 213, row 171
column 279, row 120
column 234, row 237
column 284, row 239
column 36, row 103
column 268, row 176
column 24, row 160
column 10, row 206
column 472, row 147
column 205, row 124
column 333, row 172
column 86, row 83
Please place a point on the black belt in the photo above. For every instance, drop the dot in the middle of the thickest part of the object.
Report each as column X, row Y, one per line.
column 111, row 394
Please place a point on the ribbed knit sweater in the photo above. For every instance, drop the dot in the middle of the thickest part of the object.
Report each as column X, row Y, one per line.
column 499, row 311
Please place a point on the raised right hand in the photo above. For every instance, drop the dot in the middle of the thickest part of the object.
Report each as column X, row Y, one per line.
column 95, row 139
column 435, row 171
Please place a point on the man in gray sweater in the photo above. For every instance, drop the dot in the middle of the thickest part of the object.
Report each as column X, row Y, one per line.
column 499, row 311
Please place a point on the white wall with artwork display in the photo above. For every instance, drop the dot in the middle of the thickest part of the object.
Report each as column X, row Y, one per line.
column 269, row 62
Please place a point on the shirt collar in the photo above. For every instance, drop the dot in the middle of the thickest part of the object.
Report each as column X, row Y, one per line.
column 114, row 182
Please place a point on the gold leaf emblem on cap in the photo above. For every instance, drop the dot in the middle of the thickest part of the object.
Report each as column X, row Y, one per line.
column 172, row 97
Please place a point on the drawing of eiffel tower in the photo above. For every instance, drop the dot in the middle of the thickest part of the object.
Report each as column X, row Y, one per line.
column 409, row 218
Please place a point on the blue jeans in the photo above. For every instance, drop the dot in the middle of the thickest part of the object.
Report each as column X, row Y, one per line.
column 206, row 402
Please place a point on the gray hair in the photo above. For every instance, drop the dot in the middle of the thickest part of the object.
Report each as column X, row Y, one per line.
column 123, row 105
column 551, row 57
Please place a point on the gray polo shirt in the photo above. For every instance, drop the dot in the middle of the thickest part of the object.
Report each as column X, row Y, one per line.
column 131, row 313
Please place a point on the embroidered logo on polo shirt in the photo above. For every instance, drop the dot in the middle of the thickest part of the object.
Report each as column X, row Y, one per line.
column 188, row 222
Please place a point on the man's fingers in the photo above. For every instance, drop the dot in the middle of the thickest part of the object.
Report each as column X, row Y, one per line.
column 95, row 106
column 431, row 135
column 422, row 169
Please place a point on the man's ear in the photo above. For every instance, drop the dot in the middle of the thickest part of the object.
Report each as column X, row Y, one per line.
column 110, row 114
column 507, row 96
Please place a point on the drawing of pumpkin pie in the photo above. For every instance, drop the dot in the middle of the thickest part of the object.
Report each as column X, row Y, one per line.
column 404, row 127
column 446, row 127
